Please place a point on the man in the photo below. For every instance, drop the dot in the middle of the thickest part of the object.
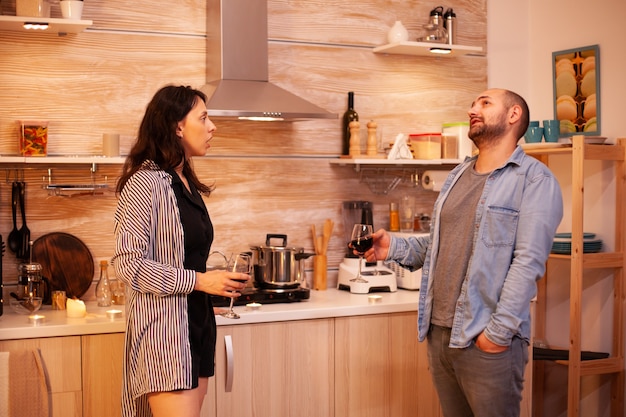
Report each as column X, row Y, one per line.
column 493, row 226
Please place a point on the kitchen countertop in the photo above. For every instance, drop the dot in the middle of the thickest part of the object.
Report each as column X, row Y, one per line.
column 321, row 304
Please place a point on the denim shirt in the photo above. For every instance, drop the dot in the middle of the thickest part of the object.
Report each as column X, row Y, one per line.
column 516, row 217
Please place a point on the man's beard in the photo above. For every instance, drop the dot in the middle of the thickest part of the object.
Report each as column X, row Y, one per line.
column 488, row 134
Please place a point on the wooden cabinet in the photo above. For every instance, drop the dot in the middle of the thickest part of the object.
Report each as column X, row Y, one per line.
column 381, row 369
column 278, row 369
column 62, row 365
column 102, row 366
column 579, row 263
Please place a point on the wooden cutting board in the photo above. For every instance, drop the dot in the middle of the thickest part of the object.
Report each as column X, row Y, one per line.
column 66, row 261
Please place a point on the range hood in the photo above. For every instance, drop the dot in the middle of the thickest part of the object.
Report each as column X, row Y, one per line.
column 237, row 67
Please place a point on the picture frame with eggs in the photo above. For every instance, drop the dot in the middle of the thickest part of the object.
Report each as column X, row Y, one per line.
column 576, row 75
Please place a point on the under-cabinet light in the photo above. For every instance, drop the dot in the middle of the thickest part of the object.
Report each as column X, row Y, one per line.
column 261, row 118
column 35, row 26
column 440, row 50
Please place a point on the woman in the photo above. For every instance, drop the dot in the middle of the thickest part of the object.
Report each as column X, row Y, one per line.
column 163, row 236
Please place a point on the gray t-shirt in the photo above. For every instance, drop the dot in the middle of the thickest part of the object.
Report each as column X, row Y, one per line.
column 456, row 230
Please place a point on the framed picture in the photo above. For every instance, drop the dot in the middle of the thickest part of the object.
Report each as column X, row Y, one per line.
column 576, row 75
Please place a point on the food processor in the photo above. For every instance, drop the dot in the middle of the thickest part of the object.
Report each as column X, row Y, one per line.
column 379, row 278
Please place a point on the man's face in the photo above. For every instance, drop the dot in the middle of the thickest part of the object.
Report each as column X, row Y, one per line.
column 487, row 118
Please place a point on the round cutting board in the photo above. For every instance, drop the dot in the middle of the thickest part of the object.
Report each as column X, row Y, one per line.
column 66, row 261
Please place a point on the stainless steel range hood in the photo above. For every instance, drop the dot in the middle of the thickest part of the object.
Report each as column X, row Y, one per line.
column 237, row 67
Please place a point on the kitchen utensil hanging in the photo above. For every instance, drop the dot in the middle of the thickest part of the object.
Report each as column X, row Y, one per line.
column 382, row 181
column 69, row 187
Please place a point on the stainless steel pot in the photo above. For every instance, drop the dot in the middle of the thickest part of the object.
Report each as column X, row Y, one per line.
column 278, row 266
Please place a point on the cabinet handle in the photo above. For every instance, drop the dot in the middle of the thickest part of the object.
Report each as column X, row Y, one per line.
column 230, row 362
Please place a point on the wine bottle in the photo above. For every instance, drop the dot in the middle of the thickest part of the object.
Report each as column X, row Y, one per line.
column 349, row 116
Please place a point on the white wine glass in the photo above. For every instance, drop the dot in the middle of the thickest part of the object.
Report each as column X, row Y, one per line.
column 241, row 264
column 361, row 241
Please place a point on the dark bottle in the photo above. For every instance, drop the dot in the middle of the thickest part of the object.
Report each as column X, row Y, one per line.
column 349, row 116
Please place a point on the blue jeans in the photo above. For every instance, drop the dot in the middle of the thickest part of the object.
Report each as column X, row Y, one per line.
column 472, row 383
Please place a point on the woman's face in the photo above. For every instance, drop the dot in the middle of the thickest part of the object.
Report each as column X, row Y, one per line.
column 196, row 130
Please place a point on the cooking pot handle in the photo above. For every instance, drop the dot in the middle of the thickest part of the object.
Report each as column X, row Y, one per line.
column 303, row 255
column 271, row 236
column 47, row 292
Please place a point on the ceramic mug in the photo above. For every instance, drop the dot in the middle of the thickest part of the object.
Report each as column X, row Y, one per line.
column 551, row 130
column 71, row 9
column 533, row 134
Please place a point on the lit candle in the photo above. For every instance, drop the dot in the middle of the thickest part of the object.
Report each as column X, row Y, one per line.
column 374, row 299
column 253, row 306
column 76, row 308
column 114, row 314
column 36, row 319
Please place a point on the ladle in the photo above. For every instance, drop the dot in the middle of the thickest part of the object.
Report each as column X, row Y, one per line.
column 14, row 239
column 24, row 230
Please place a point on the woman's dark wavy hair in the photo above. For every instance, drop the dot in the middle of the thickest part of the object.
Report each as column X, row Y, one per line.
column 157, row 140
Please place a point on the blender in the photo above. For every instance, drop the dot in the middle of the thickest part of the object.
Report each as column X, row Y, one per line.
column 379, row 278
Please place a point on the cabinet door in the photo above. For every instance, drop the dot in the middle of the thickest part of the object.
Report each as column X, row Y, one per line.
column 103, row 356
column 280, row 369
column 381, row 369
column 61, row 360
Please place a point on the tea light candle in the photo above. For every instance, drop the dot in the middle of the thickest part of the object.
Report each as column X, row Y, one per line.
column 76, row 308
column 36, row 319
column 373, row 299
column 114, row 314
column 253, row 306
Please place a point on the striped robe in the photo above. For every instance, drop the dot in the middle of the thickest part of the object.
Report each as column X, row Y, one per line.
column 149, row 255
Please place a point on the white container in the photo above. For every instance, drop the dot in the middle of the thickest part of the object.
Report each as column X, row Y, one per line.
column 460, row 129
column 397, row 33
column 71, row 9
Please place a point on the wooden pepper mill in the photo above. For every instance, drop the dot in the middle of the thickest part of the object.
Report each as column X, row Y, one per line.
column 355, row 139
column 371, row 149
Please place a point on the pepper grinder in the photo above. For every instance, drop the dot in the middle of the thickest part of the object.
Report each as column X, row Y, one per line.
column 355, row 139
column 371, row 149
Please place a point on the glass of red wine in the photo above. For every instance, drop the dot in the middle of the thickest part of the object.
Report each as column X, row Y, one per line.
column 361, row 241
column 242, row 264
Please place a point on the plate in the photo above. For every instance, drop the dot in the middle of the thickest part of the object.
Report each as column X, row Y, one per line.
column 594, row 140
column 66, row 261
column 545, row 145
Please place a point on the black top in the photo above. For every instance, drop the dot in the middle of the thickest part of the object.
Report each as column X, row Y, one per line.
column 198, row 231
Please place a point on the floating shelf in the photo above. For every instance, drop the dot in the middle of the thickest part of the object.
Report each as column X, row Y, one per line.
column 358, row 162
column 424, row 49
column 62, row 159
column 55, row 25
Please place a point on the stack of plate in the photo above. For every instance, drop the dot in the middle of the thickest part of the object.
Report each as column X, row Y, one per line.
column 562, row 243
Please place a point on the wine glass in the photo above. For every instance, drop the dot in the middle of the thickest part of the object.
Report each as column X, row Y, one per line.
column 361, row 241
column 242, row 264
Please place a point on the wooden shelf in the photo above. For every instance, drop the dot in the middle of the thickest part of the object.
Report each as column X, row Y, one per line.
column 62, row 159
column 55, row 25
column 425, row 49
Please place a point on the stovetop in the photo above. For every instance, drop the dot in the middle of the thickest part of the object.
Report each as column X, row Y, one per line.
column 262, row 296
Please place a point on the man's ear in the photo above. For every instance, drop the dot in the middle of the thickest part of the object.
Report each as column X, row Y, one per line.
column 515, row 113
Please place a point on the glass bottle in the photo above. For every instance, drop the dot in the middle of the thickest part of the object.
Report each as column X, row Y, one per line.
column 103, row 289
column 394, row 217
column 349, row 116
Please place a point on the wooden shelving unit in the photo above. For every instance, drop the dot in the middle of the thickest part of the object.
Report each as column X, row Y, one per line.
column 613, row 366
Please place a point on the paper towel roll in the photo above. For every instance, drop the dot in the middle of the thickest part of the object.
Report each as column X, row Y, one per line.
column 433, row 180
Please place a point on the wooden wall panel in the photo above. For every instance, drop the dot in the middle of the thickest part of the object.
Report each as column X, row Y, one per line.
column 271, row 177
